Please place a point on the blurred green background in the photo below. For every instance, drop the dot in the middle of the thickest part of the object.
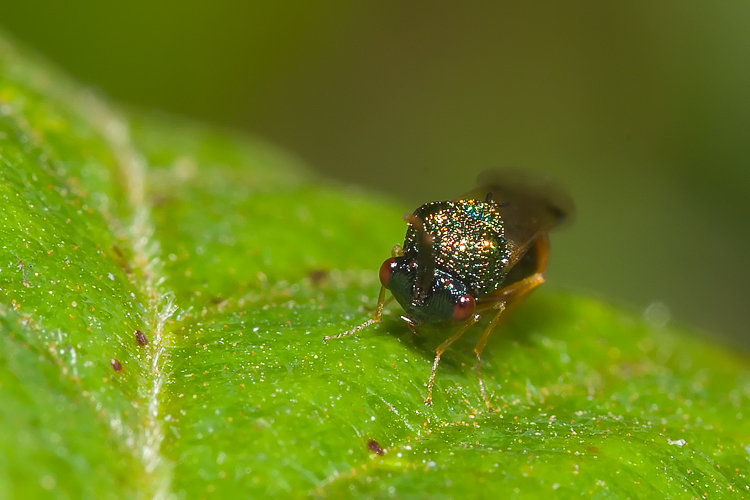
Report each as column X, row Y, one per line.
column 641, row 109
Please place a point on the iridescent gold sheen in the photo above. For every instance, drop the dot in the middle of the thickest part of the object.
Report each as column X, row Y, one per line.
column 468, row 242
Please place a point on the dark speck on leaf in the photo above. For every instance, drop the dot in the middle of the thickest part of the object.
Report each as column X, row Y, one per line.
column 375, row 447
column 141, row 338
column 160, row 200
column 317, row 276
column 121, row 260
column 116, row 365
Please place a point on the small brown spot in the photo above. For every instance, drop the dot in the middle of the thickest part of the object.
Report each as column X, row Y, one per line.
column 141, row 338
column 159, row 200
column 375, row 447
column 117, row 251
column 116, row 365
column 121, row 259
column 318, row 276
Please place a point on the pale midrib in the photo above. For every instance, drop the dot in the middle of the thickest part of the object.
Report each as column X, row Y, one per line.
column 115, row 131
column 160, row 308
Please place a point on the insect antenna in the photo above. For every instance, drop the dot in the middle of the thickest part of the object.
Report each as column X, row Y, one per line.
column 425, row 258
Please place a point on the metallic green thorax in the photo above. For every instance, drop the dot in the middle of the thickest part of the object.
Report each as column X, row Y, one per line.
column 468, row 242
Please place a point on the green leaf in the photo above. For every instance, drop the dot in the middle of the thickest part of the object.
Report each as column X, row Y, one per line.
column 234, row 263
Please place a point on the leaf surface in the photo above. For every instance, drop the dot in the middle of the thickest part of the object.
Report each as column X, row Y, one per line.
column 234, row 262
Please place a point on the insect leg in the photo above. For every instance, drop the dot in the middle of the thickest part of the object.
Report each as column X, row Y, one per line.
column 441, row 349
column 375, row 319
column 500, row 306
column 508, row 299
column 514, row 293
column 518, row 290
column 385, row 303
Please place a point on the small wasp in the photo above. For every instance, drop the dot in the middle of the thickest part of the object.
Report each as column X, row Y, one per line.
column 475, row 256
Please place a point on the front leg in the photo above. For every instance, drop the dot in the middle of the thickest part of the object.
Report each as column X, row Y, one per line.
column 375, row 319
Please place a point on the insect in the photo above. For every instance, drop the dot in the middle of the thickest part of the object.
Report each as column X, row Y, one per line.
column 472, row 257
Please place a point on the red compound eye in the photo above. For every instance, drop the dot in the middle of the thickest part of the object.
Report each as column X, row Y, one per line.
column 464, row 308
column 386, row 269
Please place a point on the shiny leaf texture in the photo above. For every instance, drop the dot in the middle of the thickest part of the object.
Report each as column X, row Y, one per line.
column 164, row 292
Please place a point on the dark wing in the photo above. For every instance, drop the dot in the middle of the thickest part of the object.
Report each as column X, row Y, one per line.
column 529, row 204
